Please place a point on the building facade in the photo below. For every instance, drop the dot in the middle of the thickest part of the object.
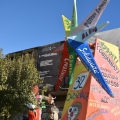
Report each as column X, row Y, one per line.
column 48, row 63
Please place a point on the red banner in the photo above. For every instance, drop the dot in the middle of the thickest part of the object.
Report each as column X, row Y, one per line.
column 63, row 67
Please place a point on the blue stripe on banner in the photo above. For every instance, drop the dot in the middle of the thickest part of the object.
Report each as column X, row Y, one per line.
column 88, row 60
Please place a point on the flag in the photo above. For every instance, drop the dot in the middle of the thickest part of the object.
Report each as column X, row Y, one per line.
column 67, row 25
column 92, row 18
column 89, row 62
column 87, row 33
column 74, row 22
column 63, row 67
column 72, row 61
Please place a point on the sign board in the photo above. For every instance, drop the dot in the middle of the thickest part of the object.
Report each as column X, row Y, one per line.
column 100, row 105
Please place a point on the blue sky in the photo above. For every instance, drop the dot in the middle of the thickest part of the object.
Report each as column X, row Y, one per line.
column 30, row 23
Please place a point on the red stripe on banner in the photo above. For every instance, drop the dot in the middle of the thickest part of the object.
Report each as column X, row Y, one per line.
column 63, row 67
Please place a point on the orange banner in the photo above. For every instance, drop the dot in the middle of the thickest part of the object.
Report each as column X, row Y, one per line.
column 100, row 105
column 77, row 97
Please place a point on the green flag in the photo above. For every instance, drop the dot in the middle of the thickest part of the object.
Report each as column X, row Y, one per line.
column 72, row 54
column 74, row 22
column 72, row 61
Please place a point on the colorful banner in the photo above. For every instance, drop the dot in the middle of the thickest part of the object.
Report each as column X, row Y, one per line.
column 74, row 22
column 87, row 33
column 71, row 25
column 63, row 67
column 75, row 106
column 72, row 60
column 67, row 25
column 92, row 18
column 87, row 59
column 100, row 105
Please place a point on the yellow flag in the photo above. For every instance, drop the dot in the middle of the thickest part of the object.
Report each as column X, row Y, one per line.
column 67, row 25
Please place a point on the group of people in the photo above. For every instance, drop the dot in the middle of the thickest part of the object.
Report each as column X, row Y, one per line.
column 35, row 111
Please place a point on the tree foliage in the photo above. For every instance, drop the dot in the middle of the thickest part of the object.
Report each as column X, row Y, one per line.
column 16, row 78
